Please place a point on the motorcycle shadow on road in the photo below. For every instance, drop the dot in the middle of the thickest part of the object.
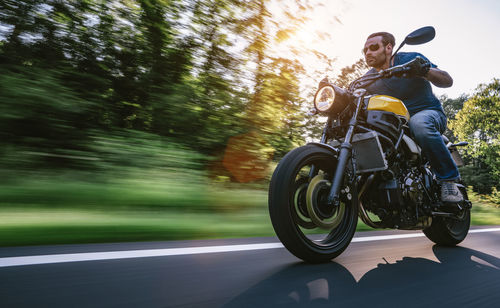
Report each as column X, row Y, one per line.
column 463, row 278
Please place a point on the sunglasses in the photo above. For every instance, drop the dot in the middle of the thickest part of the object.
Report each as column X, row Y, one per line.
column 372, row 47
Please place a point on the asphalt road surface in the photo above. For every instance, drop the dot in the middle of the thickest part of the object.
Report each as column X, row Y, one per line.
column 376, row 270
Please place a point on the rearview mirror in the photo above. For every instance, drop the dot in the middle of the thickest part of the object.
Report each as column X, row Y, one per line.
column 420, row 36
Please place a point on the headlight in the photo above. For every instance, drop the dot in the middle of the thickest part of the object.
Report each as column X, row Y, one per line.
column 324, row 98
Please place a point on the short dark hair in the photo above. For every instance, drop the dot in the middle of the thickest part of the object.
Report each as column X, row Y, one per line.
column 386, row 38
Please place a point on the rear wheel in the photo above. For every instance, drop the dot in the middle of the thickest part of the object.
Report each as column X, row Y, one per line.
column 448, row 231
column 306, row 225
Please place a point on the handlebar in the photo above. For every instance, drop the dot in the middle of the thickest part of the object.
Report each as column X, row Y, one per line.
column 401, row 70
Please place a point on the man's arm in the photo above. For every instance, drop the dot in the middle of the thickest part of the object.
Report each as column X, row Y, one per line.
column 439, row 78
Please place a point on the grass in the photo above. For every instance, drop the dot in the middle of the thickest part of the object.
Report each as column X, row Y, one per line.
column 49, row 211
column 484, row 212
column 46, row 212
column 48, row 226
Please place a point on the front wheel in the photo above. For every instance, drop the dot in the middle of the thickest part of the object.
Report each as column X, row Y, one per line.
column 303, row 221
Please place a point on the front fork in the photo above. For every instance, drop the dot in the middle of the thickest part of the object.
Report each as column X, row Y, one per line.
column 344, row 156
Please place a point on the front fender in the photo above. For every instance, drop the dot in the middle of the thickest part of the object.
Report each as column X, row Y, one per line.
column 334, row 151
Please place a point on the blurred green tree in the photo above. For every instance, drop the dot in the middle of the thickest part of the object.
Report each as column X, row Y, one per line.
column 479, row 124
column 350, row 73
column 275, row 105
column 451, row 107
column 220, row 97
column 197, row 72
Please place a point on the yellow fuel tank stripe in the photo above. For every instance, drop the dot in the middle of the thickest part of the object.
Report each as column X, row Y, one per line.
column 388, row 103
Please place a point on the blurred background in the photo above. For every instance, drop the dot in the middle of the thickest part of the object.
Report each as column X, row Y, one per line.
column 156, row 120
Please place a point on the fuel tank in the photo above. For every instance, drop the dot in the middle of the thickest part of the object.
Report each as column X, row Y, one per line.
column 389, row 104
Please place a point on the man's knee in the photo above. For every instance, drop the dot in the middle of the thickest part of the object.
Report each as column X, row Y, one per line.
column 422, row 126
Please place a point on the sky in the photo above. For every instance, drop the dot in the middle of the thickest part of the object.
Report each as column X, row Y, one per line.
column 467, row 42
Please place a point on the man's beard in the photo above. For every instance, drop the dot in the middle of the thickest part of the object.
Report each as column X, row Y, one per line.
column 380, row 63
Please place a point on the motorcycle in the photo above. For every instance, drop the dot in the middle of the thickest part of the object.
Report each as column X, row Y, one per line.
column 366, row 164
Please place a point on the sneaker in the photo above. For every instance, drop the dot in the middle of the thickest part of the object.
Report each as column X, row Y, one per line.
column 450, row 192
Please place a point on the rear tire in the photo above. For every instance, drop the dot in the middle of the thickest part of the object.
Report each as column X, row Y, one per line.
column 306, row 243
column 447, row 231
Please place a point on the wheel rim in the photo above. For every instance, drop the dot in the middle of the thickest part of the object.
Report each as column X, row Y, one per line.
column 321, row 214
column 320, row 229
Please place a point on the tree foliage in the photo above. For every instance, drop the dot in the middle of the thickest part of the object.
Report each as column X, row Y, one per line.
column 350, row 73
column 478, row 122
column 198, row 73
column 451, row 106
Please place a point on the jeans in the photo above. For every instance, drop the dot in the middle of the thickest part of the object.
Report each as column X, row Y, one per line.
column 426, row 127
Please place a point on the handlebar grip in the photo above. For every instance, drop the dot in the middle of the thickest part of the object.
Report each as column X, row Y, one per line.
column 395, row 71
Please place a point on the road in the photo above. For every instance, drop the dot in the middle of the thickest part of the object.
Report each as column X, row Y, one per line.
column 376, row 270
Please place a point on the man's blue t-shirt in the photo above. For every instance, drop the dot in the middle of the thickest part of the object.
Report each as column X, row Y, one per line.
column 416, row 93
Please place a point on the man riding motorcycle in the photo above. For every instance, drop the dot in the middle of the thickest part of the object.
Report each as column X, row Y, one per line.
column 366, row 166
column 428, row 120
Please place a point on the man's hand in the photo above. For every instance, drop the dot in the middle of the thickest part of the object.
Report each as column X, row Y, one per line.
column 419, row 67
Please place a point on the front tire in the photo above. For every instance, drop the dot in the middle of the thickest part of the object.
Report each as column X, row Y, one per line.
column 292, row 224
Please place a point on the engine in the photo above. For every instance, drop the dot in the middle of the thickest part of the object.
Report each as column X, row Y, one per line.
column 399, row 199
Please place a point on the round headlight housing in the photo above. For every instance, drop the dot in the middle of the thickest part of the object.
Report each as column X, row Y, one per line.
column 324, row 99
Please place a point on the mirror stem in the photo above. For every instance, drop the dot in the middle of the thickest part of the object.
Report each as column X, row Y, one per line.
column 401, row 45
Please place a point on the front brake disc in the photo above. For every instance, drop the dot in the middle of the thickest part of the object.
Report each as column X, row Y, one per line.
column 317, row 192
column 301, row 216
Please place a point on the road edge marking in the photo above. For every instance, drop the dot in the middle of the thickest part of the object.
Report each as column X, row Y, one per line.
column 145, row 253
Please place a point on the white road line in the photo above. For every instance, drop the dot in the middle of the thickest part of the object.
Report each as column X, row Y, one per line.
column 144, row 253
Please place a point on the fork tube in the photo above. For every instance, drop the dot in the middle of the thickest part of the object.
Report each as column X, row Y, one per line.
column 344, row 156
